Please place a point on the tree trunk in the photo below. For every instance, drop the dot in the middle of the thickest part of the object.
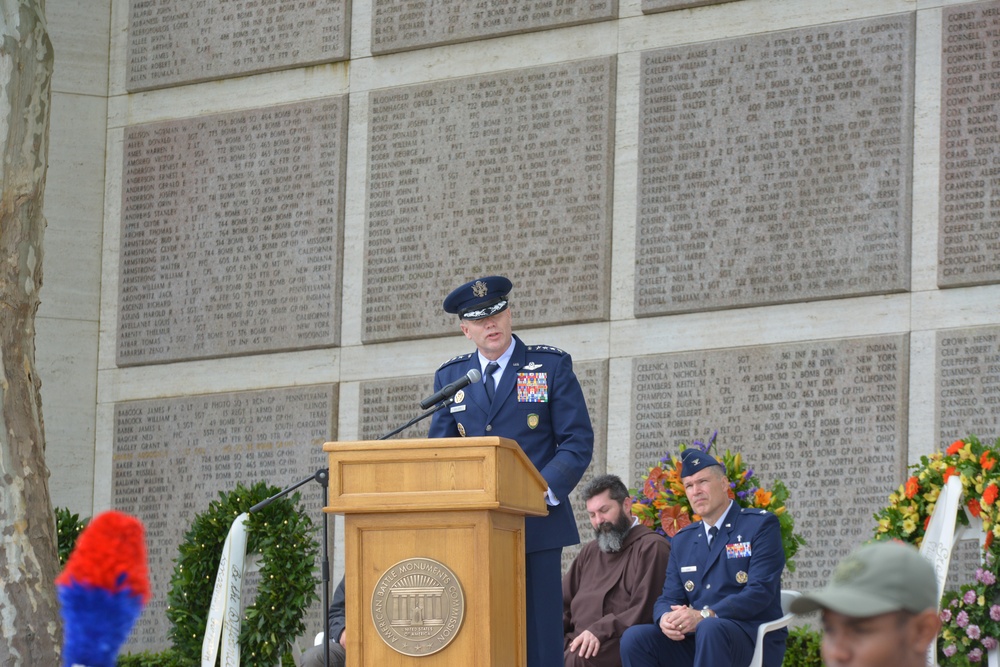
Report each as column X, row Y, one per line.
column 29, row 616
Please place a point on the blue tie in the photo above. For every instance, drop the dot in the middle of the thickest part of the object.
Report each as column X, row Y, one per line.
column 712, row 532
column 491, row 384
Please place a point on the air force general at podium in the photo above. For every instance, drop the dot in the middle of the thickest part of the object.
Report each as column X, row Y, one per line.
column 536, row 401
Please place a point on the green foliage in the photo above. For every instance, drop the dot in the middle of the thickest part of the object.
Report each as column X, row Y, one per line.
column 168, row 658
column 68, row 528
column 802, row 648
column 171, row 658
column 282, row 535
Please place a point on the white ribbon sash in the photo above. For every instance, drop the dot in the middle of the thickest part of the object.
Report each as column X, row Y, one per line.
column 224, row 612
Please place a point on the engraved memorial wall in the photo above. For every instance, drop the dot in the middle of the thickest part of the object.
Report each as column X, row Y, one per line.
column 231, row 233
column 503, row 173
column 969, row 215
column 827, row 418
column 400, row 25
column 186, row 41
column 775, row 167
column 968, row 384
column 173, row 456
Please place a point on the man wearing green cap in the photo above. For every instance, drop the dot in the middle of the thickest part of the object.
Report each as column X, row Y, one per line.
column 880, row 608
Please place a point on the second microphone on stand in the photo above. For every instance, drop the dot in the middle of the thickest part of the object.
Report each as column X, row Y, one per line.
column 451, row 389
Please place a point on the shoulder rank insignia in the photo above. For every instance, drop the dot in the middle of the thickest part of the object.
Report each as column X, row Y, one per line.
column 543, row 348
column 461, row 357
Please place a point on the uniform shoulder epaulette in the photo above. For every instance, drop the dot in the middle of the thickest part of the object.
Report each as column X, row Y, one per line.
column 543, row 348
column 461, row 357
column 691, row 526
column 753, row 511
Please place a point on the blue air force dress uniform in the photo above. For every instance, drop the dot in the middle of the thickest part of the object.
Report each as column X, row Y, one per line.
column 539, row 404
column 738, row 578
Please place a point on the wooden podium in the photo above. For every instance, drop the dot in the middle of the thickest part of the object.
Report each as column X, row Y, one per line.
column 434, row 549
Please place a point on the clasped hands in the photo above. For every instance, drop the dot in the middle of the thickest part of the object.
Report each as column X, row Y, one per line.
column 679, row 621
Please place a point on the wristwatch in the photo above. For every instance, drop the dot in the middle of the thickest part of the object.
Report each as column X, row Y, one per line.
column 707, row 613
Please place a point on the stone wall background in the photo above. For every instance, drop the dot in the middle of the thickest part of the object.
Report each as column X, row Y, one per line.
column 772, row 218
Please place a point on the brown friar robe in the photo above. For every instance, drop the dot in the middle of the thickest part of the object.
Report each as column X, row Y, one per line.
column 607, row 593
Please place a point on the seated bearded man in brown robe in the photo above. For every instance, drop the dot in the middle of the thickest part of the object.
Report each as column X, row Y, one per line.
column 615, row 579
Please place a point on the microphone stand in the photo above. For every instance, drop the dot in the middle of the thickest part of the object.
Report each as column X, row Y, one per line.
column 322, row 477
column 440, row 406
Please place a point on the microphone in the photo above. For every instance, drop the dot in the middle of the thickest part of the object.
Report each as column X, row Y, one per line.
column 450, row 390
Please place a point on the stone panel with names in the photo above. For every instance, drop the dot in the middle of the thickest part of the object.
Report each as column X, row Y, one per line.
column 776, row 168
column 654, row 6
column 969, row 216
column 388, row 404
column 400, row 25
column 185, row 41
column 968, row 384
column 173, row 456
column 827, row 418
column 230, row 233
column 505, row 173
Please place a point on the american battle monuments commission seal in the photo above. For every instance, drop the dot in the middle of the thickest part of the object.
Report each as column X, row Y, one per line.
column 418, row 606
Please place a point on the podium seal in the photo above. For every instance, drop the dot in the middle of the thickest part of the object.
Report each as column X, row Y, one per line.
column 418, row 606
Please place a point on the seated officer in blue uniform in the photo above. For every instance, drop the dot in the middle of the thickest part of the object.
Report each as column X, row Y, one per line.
column 529, row 394
column 718, row 590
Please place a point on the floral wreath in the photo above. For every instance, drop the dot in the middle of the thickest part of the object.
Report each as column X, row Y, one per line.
column 662, row 505
column 970, row 616
column 282, row 535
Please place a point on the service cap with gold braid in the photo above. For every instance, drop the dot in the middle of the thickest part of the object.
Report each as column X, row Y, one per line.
column 479, row 299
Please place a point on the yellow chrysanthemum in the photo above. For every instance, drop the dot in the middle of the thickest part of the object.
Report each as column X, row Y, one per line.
column 909, row 525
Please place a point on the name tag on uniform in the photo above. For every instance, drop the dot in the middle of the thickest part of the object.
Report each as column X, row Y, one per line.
column 457, row 408
column 689, row 568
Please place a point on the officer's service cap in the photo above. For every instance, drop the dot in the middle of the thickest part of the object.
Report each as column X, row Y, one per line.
column 693, row 460
column 479, row 298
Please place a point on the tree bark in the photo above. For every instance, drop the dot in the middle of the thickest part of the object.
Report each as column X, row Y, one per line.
column 29, row 617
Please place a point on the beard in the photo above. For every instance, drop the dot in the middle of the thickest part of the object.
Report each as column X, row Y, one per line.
column 611, row 535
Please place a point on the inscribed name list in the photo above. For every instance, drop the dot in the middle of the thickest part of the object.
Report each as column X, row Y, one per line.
column 172, row 457
column 776, row 167
column 185, row 41
column 826, row 418
column 230, row 233
column 400, row 25
column 968, row 384
column 969, row 216
column 505, row 173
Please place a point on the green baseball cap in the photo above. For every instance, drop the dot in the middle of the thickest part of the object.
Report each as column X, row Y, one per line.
column 878, row 578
